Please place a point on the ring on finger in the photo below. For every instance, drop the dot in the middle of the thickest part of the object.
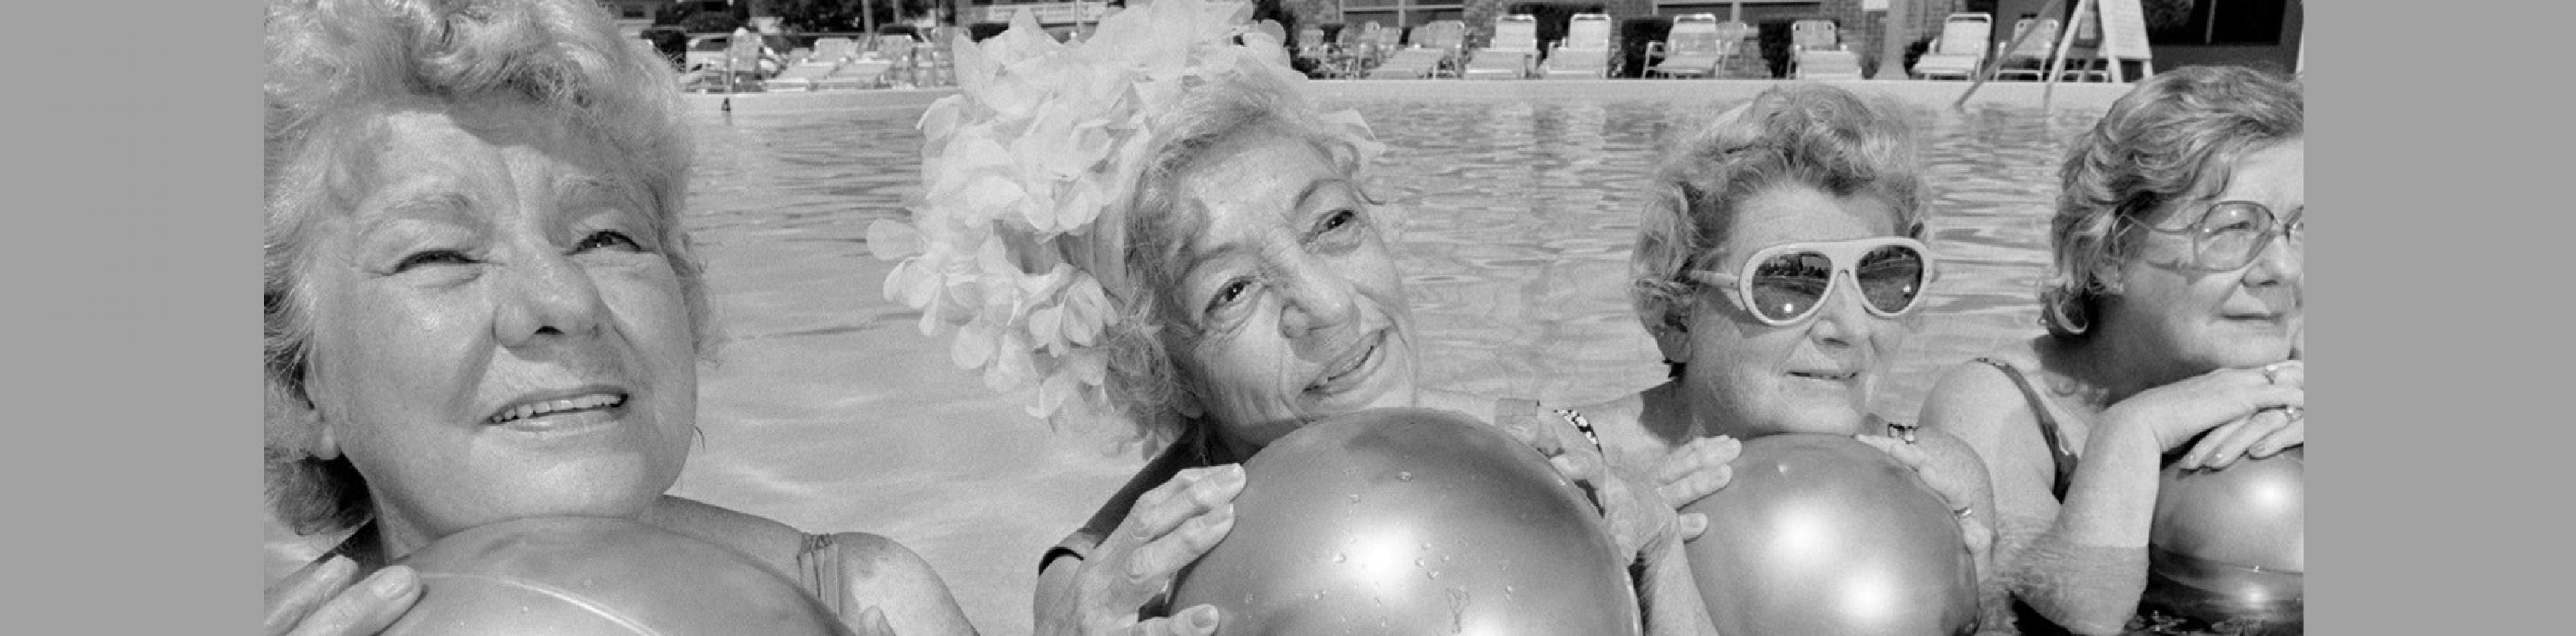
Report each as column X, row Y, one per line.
column 2272, row 374
column 1966, row 512
column 2294, row 412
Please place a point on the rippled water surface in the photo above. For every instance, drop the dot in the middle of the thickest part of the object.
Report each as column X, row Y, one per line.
column 829, row 410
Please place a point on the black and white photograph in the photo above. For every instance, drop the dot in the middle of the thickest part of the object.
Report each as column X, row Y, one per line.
column 1285, row 317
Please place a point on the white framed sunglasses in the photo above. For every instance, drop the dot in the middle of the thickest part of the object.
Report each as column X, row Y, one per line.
column 1785, row 284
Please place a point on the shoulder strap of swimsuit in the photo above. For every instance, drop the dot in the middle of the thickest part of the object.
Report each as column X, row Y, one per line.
column 818, row 570
column 2064, row 461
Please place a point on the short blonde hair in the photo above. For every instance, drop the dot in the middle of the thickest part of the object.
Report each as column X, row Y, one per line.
column 334, row 66
column 2172, row 140
column 1818, row 135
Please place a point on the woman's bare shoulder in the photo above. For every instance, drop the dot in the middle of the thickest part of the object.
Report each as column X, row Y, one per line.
column 761, row 537
column 882, row 573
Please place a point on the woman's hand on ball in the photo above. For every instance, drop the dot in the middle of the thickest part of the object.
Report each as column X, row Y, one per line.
column 1696, row 470
column 2177, row 412
column 1170, row 527
column 1957, row 490
column 321, row 599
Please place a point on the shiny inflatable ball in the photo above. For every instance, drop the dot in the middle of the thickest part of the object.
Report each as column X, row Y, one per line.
column 582, row 576
column 1821, row 534
column 1410, row 521
column 2233, row 539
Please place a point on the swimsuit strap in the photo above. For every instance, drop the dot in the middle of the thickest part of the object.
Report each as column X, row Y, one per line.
column 2065, row 461
column 1508, row 411
column 818, row 571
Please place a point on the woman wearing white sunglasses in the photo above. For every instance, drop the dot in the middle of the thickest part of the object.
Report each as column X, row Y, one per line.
column 2174, row 313
column 1775, row 268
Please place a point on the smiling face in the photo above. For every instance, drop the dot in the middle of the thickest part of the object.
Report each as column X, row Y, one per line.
column 1745, row 378
column 1297, row 306
column 497, row 334
column 2206, row 320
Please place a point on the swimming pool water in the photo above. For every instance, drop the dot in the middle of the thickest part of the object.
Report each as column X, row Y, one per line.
column 829, row 411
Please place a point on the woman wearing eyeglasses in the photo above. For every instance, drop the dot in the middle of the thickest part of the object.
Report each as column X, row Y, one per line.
column 2173, row 316
column 1775, row 267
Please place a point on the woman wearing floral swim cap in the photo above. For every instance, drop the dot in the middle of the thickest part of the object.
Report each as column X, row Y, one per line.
column 1153, row 227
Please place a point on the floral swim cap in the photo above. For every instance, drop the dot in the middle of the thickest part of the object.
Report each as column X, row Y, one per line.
column 1019, row 239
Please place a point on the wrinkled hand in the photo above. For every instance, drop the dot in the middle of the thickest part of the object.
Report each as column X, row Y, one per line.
column 1642, row 515
column 2261, row 434
column 2175, row 413
column 1169, row 528
column 320, row 599
column 1956, row 490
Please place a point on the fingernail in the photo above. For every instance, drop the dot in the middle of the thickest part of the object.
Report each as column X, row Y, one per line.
column 1203, row 618
column 335, row 566
column 393, row 582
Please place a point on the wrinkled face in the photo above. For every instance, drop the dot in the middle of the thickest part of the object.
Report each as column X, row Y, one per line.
column 497, row 334
column 1745, row 378
column 2240, row 317
column 1300, row 311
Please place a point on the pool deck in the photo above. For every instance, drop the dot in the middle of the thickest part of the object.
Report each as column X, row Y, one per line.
column 2089, row 96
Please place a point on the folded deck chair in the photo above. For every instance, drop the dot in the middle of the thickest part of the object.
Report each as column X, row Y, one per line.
column 1419, row 60
column 1690, row 49
column 1359, row 48
column 1508, row 55
column 2030, row 59
column 1960, row 49
column 1817, row 52
column 1449, row 37
column 807, row 73
column 870, row 69
column 1585, row 52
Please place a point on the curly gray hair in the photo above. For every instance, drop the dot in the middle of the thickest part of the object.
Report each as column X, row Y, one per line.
column 1818, row 135
column 333, row 68
column 1143, row 379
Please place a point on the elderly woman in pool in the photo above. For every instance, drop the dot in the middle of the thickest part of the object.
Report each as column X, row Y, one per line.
column 2174, row 314
column 1776, row 267
column 1233, row 283
column 480, row 305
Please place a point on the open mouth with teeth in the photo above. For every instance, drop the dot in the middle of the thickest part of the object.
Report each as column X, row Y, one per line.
column 1339, row 376
column 1844, row 376
column 594, row 402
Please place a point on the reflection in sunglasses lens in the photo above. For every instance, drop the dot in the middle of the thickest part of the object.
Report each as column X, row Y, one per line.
column 1787, row 286
column 1890, row 277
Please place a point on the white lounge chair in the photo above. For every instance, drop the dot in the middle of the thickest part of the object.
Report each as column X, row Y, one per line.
column 1961, row 48
column 806, row 74
column 2030, row 58
column 1693, row 48
column 1433, row 44
column 1508, row 56
column 1817, row 52
column 1585, row 51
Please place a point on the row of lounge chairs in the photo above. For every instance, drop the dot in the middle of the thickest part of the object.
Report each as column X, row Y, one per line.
column 1966, row 38
column 1698, row 45
column 833, row 63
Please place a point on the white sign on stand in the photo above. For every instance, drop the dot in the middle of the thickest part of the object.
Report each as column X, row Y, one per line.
column 2124, row 30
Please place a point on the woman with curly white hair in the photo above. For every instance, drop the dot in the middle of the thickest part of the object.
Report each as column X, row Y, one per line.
column 1155, row 228
column 480, row 305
